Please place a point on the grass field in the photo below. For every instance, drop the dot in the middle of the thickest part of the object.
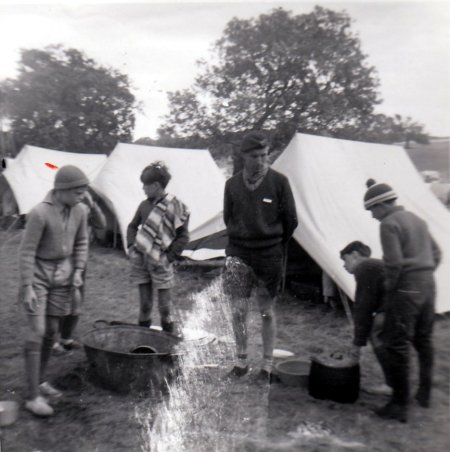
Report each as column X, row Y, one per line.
column 434, row 156
column 254, row 417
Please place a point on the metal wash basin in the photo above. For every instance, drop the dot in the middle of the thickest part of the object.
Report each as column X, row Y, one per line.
column 126, row 358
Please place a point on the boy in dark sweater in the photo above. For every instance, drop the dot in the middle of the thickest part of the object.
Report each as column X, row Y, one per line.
column 410, row 255
column 368, row 312
column 260, row 216
column 156, row 237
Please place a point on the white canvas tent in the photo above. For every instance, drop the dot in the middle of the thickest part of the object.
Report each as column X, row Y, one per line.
column 196, row 180
column 32, row 172
column 328, row 179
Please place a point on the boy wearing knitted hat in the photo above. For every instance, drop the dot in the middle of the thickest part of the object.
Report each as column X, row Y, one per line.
column 96, row 220
column 260, row 216
column 53, row 255
column 156, row 237
column 410, row 255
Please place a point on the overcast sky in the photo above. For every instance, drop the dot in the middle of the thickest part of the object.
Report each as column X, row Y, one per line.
column 158, row 43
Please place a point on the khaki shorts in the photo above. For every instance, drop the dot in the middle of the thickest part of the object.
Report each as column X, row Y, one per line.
column 52, row 284
column 143, row 271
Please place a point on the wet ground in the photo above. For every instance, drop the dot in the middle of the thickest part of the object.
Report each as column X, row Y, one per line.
column 207, row 411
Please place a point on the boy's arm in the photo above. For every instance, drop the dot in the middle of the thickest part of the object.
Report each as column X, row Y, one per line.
column 180, row 241
column 227, row 204
column 437, row 255
column 81, row 243
column 32, row 235
column 366, row 302
column 289, row 212
column 97, row 217
column 133, row 227
column 392, row 255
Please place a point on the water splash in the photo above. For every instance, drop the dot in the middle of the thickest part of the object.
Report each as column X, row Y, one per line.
column 194, row 417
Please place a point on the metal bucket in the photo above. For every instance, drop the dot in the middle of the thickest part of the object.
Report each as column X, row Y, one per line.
column 334, row 378
column 115, row 353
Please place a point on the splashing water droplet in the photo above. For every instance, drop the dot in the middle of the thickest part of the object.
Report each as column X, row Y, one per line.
column 201, row 413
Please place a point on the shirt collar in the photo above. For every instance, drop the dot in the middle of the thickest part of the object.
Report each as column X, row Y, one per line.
column 392, row 211
column 158, row 199
column 51, row 199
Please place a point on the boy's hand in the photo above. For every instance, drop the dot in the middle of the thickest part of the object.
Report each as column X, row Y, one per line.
column 29, row 298
column 88, row 199
column 355, row 352
column 77, row 280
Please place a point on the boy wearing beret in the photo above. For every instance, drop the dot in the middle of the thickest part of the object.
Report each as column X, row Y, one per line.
column 260, row 217
column 410, row 256
column 53, row 255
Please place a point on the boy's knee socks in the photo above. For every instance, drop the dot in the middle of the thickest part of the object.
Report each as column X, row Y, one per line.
column 46, row 351
column 68, row 324
column 32, row 354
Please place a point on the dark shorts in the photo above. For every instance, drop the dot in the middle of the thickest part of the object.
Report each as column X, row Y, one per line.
column 251, row 268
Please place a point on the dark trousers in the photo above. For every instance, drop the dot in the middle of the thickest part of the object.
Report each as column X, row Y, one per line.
column 409, row 320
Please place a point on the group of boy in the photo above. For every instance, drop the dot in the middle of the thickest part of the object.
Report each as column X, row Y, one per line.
column 394, row 302
column 53, row 258
column 395, row 298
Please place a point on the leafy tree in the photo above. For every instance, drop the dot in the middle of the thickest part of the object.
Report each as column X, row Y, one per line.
column 286, row 74
column 64, row 100
column 279, row 72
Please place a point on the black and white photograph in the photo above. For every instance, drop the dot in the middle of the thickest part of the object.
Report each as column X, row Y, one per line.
column 224, row 226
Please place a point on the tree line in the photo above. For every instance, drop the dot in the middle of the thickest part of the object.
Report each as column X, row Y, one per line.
column 281, row 72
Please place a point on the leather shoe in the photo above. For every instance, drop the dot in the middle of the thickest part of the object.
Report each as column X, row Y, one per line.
column 270, row 377
column 423, row 399
column 238, row 371
column 393, row 411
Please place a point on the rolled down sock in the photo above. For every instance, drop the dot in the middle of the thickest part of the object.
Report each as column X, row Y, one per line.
column 32, row 368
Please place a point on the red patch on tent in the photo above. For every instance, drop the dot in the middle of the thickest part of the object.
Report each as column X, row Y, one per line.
column 50, row 165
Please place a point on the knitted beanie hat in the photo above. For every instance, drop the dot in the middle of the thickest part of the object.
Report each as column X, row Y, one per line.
column 377, row 193
column 70, row 176
column 254, row 140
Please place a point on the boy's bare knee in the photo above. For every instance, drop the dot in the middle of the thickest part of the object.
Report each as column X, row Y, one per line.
column 35, row 336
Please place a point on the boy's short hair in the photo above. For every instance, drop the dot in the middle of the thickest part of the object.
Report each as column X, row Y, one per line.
column 156, row 172
column 360, row 247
